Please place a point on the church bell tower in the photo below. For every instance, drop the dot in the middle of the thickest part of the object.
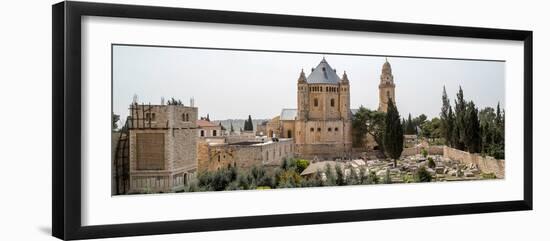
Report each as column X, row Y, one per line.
column 386, row 88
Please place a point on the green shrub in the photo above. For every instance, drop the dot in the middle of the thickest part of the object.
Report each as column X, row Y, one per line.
column 422, row 175
column 488, row 175
column 431, row 162
column 387, row 178
column 424, row 152
column 301, row 165
column 372, row 178
column 340, row 179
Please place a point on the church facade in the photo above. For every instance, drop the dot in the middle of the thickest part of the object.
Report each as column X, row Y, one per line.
column 321, row 126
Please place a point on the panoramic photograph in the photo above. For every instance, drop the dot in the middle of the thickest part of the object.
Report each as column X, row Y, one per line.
column 187, row 119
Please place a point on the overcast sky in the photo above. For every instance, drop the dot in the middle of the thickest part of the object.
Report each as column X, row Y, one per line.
column 231, row 84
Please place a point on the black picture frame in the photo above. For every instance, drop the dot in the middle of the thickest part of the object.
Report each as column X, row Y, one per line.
column 66, row 121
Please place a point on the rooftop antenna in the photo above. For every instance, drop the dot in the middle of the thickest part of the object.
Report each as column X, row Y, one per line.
column 162, row 100
column 192, row 102
column 135, row 99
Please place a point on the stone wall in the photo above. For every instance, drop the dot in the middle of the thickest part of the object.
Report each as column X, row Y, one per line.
column 212, row 156
column 432, row 150
column 485, row 164
column 176, row 125
column 180, row 161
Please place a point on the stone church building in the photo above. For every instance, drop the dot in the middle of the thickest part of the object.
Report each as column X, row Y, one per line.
column 321, row 126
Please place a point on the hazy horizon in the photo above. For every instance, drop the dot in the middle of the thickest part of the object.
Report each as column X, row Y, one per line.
column 232, row 84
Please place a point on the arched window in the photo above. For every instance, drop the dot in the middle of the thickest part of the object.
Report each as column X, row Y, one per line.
column 315, row 102
column 202, row 132
column 214, row 132
column 289, row 134
column 187, row 117
column 332, row 102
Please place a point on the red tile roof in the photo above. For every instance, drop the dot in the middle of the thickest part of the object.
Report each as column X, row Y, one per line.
column 205, row 123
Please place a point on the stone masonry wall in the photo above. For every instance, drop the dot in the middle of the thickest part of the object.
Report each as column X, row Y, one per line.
column 485, row 164
column 432, row 150
column 212, row 157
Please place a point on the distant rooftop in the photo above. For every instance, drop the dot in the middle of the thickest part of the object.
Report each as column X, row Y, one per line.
column 288, row 114
column 205, row 123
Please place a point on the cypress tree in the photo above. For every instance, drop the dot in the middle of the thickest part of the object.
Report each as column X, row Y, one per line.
column 472, row 138
column 460, row 121
column 446, row 118
column 409, row 127
column 248, row 126
column 393, row 136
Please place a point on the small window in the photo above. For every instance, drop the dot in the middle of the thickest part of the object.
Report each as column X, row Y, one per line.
column 153, row 116
column 335, row 128
column 202, row 132
column 214, row 132
column 187, row 117
column 318, row 129
column 329, row 129
column 148, row 116
column 332, row 102
column 312, row 129
column 315, row 102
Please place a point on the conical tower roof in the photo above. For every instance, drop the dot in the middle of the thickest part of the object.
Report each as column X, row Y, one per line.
column 386, row 68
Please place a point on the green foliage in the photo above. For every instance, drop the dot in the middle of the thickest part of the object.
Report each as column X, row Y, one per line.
column 372, row 178
column 288, row 179
column 330, row 176
column 447, row 120
column 362, row 175
column 431, row 162
column 174, row 101
column 387, row 178
column 424, row 152
column 431, row 129
column 370, row 122
column 301, row 165
column 340, row 177
column 422, row 175
column 393, row 135
column 408, row 179
column 410, row 126
column 488, row 175
column 492, row 132
column 248, row 125
column 471, row 130
column 353, row 177
column 218, row 180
